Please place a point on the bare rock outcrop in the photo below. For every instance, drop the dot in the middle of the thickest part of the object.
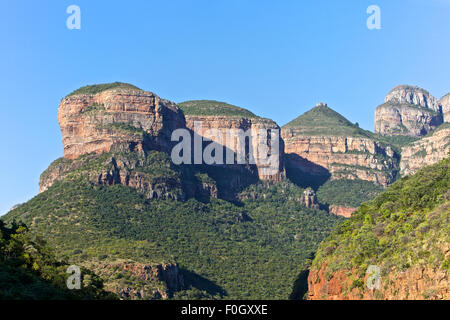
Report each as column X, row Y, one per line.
column 310, row 199
column 426, row 151
column 445, row 105
column 409, row 111
column 116, row 119
column 416, row 283
column 341, row 211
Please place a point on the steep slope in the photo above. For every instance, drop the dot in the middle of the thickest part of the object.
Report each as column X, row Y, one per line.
column 409, row 111
column 215, row 115
column 222, row 250
column 404, row 233
column 324, row 142
column 429, row 150
column 115, row 117
column 445, row 105
column 30, row 271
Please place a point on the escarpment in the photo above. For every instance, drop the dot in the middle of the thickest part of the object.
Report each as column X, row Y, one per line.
column 217, row 120
column 321, row 141
column 129, row 125
column 116, row 119
column 409, row 111
column 426, row 151
column 445, row 105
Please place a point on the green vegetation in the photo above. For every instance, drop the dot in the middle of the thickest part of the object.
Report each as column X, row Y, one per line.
column 397, row 142
column 214, row 108
column 347, row 193
column 323, row 121
column 225, row 250
column 95, row 107
column 97, row 88
column 122, row 126
column 29, row 270
column 445, row 125
column 405, row 226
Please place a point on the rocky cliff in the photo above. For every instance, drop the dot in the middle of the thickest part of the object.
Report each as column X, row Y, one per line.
column 127, row 126
column 323, row 141
column 426, row 151
column 117, row 118
column 445, row 105
column 408, row 110
column 223, row 117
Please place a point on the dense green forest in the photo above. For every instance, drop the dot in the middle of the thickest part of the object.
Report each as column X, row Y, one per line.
column 29, row 270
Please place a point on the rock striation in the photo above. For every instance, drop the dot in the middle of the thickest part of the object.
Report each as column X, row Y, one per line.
column 408, row 110
column 220, row 116
column 116, row 119
column 445, row 105
column 426, row 151
column 416, row 283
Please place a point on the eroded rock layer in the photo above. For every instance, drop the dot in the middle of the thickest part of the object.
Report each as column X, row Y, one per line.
column 347, row 154
column 216, row 120
column 426, row 151
column 116, row 120
column 408, row 111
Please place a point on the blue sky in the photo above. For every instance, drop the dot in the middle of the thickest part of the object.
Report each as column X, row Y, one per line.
column 276, row 58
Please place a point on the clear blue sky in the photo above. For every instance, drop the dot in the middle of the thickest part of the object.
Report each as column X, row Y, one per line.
column 276, row 58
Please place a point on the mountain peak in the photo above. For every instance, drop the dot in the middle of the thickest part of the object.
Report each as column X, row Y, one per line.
column 322, row 120
column 214, row 108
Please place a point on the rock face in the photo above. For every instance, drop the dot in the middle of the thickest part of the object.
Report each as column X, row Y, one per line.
column 417, row 283
column 125, row 169
column 342, row 211
column 445, row 105
column 223, row 118
column 408, row 110
column 310, row 199
column 345, row 154
column 116, row 119
column 426, row 151
column 412, row 95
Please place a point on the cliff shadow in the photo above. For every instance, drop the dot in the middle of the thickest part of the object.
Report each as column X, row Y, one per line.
column 300, row 287
column 223, row 181
column 194, row 280
column 305, row 173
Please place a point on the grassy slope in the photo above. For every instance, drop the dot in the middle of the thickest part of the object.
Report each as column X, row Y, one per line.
column 214, row 108
column 322, row 120
column 97, row 88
